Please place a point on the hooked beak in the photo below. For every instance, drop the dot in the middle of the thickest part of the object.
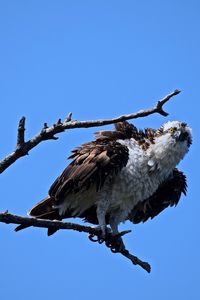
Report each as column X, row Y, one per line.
column 182, row 136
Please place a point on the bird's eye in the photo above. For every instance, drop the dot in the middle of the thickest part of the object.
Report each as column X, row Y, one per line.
column 172, row 129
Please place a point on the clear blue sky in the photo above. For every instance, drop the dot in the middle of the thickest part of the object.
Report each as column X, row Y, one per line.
column 97, row 59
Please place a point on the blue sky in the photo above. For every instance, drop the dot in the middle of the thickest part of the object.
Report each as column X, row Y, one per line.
column 97, row 59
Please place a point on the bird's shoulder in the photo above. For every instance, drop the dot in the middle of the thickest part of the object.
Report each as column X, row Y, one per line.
column 91, row 164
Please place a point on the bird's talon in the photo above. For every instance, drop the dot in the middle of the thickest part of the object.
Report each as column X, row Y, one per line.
column 108, row 244
column 117, row 244
column 92, row 238
column 104, row 231
column 101, row 240
column 114, row 250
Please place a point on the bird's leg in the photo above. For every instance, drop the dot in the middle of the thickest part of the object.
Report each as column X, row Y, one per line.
column 114, row 226
column 102, row 206
column 114, row 221
column 102, row 222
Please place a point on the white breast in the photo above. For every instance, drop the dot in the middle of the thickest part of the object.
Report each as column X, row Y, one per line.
column 144, row 172
column 134, row 183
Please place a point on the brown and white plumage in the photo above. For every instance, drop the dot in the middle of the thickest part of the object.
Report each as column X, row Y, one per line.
column 124, row 174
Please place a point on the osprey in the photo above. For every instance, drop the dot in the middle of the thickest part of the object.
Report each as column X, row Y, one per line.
column 125, row 174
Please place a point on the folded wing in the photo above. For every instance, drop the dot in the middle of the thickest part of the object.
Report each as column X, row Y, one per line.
column 168, row 194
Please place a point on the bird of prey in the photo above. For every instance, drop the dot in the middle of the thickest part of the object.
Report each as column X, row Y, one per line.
column 124, row 174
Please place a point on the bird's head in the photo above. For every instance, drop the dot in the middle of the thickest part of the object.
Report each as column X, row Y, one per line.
column 179, row 132
column 171, row 143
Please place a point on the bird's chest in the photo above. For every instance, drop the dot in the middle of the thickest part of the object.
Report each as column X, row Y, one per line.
column 134, row 183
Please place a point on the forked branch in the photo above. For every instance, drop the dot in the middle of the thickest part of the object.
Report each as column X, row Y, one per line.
column 48, row 133
column 109, row 241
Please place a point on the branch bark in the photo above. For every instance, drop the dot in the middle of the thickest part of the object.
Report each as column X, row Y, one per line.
column 8, row 218
column 48, row 133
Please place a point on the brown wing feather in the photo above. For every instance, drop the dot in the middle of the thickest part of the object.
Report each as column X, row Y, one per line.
column 92, row 163
column 125, row 130
column 168, row 194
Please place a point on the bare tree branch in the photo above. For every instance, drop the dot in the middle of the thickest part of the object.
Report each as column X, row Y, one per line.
column 47, row 133
column 109, row 241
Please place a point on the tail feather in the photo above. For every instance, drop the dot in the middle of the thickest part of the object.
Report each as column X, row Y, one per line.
column 43, row 207
column 43, row 210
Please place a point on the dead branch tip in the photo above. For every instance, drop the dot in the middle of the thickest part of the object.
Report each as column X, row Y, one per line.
column 20, row 132
column 160, row 103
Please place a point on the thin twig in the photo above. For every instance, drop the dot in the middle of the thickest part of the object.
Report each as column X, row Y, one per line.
column 8, row 218
column 136, row 261
column 48, row 133
column 21, row 130
column 163, row 101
